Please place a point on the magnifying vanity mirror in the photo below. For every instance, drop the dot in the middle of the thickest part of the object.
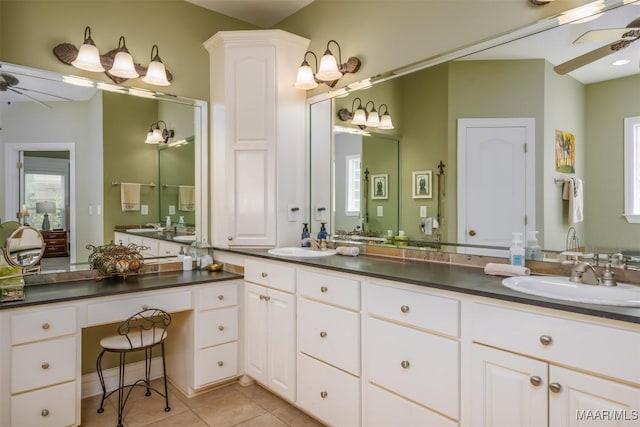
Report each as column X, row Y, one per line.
column 24, row 247
column 510, row 78
column 78, row 139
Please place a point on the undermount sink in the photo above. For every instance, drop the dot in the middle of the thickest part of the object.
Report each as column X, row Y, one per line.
column 300, row 252
column 560, row 287
column 141, row 230
column 188, row 238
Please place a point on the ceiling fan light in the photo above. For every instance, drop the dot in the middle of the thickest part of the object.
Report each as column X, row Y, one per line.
column 305, row 79
column 385, row 122
column 328, row 70
column 88, row 58
column 359, row 117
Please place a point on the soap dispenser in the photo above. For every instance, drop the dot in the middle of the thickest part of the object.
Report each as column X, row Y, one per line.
column 168, row 223
column 322, row 234
column 533, row 250
column 305, row 235
column 516, row 251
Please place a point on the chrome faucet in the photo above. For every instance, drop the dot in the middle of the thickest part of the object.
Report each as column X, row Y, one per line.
column 156, row 226
column 315, row 245
column 583, row 272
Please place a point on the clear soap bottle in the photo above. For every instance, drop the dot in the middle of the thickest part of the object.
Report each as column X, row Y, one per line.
column 516, row 251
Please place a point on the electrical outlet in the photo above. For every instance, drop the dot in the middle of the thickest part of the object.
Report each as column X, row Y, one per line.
column 423, row 211
column 172, row 209
column 144, row 210
column 379, row 210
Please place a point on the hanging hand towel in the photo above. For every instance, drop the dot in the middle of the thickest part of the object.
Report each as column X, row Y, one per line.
column 576, row 202
column 186, row 198
column 426, row 225
column 130, row 197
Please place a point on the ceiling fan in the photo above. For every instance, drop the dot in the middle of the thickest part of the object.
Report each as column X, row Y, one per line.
column 623, row 38
column 9, row 82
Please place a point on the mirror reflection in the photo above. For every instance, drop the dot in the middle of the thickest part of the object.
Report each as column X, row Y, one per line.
column 517, row 81
column 24, row 247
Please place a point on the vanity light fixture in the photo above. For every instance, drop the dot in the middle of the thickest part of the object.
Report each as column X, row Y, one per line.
column 385, row 118
column 363, row 117
column 88, row 56
column 156, row 72
column 157, row 135
column 123, row 62
column 373, row 119
column 329, row 71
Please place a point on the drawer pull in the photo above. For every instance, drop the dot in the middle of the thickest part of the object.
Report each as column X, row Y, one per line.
column 545, row 340
column 323, row 334
column 220, row 363
column 220, row 297
column 405, row 364
column 555, row 387
column 221, row 328
column 535, row 380
column 45, row 412
column 45, row 365
column 45, row 326
column 264, row 274
column 262, row 297
column 145, row 307
column 324, row 289
column 404, row 309
column 323, row 394
column 267, row 298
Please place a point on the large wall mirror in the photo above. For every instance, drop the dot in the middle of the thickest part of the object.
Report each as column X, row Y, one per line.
column 79, row 139
column 438, row 103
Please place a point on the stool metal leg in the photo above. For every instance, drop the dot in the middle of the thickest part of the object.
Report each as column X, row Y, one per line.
column 147, row 369
column 167, row 408
column 121, row 399
column 101, row 377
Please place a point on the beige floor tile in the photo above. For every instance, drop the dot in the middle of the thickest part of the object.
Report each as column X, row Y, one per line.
column 265, row 420
column 213, row 396
column 294, row 417
column 262, row 397
column 143, row 411
column 184, row 419
column 229, row 410
column 90, row 417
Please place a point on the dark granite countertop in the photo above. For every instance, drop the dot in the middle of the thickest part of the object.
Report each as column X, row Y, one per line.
column 91, row 288
column 450, row 277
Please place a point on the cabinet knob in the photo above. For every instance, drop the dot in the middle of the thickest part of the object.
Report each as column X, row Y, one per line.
column 323, row 334
column 555, row 387
column 45, row 412
column 220, row 363
column 267, row 298
column 535, row 380
column 404, row 309
column 221, row 328
column 323, row 394
column 220, row 297
column 45, row 365
column 145, row 307
column 230, row 238
column 261, row 297
column 545, row 340
column 405, row 364
column 264, row 274
column 324, row 289
column 45, row 326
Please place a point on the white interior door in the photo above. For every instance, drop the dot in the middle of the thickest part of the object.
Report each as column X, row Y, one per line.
column 496, row 192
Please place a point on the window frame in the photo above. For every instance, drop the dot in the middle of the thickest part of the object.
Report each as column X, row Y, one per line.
column 349, row 184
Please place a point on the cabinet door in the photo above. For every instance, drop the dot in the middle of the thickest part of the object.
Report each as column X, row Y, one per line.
column 282, row 345
column 255, row 332
column 579, row 399
column 508, row 390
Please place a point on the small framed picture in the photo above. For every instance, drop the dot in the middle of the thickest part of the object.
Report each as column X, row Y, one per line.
column 422, row 184
column 380, row 186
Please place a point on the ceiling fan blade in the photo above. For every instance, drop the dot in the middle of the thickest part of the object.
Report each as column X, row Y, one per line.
column 589, row 57
column 30, row 97
column 44, row 93
column 601, row 35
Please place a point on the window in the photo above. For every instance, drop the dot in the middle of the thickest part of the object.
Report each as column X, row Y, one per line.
column 632, row 169
column 353, row 185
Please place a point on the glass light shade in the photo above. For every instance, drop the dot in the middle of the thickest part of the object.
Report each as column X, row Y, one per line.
column 157, row 135
column 328, row 70
column 88, row 59
column 385, row 122
column 156, row 74
column 373, row 121
column 359, row 117
column 305, row 80
column 123, row 66
column 150, row 139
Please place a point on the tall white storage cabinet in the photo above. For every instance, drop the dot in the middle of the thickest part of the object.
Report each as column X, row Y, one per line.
column 258, row 137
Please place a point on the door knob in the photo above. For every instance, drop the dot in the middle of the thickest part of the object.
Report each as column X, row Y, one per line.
column 472, row 233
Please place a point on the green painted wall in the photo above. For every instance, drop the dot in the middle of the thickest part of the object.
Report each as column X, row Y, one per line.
column 380, row 156
column 176, row 168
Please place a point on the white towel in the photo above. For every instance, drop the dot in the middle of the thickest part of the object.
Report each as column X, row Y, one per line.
column 496, row 269
column 130, row 196
column 347, row 250
column 186, row 198
column 576, row 201
column 426, row 225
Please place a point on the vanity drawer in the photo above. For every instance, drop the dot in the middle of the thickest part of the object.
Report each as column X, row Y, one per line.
column 328, row 393
column 425, row 311
column 601, row 349
column 330, row 334
column 50, row 407
column 168, row 249
column 38, row 325
column 43, row 363
column 218, row 296
column 117, row 310
column 273, row 275
column 216, row 363
column 217, row 326
column 417, row 365
column 330, row 288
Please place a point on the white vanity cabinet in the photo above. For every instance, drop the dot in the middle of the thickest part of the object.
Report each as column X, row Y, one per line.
column 156, row 247
column 412, row 357
column 540, row 370
column 329, row 346
column 39, row 368
column 258, row 122
column 269, row 326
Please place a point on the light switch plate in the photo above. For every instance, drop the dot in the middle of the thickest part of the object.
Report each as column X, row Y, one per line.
column 320, row 213
column 423, row 211
column 172, row 209
column 293, row 212
column 379, row 210
column 144, row 210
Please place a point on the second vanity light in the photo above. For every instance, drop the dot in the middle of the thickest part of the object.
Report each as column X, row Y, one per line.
column 329, row 71
column 363, row 117
column 157, row 134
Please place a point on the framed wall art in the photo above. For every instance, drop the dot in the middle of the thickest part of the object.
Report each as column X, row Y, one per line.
column 380, row 186
column 422, row 184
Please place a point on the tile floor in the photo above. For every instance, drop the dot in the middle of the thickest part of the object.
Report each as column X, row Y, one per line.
column 233, row 405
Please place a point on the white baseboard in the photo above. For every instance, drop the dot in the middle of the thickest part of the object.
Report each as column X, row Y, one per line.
column 133, row 371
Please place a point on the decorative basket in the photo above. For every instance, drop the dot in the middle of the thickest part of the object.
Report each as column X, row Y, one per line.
column 116, row 260
column 11, row 284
